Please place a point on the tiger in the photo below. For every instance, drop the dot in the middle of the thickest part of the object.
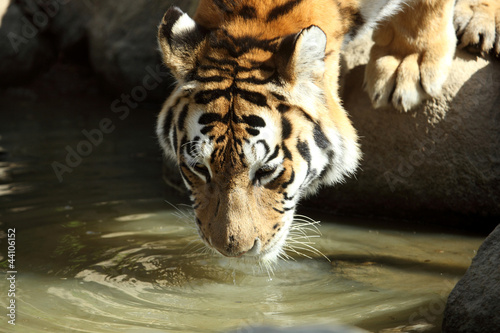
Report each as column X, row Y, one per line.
column 255, row 122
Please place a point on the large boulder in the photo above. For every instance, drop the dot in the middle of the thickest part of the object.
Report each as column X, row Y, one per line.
column 440, row 161
column 123, row 47
column 473, row 305
column 34, row 33
column 25, row 49
column 117, row 37
column 300, row 329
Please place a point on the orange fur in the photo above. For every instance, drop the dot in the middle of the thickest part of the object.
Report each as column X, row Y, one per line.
column 335, row 18
column 477, row 23
column 412, row 54
column 414, row 48
column 232, row 212
column 274, row 65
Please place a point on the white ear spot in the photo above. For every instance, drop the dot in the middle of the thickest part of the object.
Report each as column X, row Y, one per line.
column 183, row 25
column 310, row 49
column 308, row 68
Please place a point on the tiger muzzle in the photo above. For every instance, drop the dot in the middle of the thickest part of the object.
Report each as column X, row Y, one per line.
column 233, row 232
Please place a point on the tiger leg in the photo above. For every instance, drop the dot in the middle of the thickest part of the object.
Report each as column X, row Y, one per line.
column 412, row 54
column 477, row 23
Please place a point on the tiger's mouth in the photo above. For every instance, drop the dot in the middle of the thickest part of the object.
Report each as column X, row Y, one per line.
column 259, row 252
column 255, row 250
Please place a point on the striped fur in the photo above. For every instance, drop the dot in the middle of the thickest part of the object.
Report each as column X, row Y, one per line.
column 255, row 122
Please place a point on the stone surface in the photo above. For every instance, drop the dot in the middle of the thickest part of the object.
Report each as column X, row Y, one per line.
column 303, row 329
column 473, row 305
column 439, row 162
column 34, row 33
column 122, row 43
column 25, row 49
column 119, row 37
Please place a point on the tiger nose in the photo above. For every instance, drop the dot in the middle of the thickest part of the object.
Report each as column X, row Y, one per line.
column 234, row 249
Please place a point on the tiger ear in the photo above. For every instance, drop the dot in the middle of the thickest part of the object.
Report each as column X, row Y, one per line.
column 179, row 36
column 301, row 57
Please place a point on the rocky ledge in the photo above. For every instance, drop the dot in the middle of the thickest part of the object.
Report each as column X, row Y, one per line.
column 439, row 162
column 473, row 305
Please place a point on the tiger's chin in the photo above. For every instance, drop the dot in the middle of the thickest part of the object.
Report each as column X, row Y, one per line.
column 265, row 262
column 266, row 257
column 270, row 255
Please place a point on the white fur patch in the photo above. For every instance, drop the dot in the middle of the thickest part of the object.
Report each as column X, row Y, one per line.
column 375, row 11
column 273, row 250
column 310, row 49
column 163, row 137
column 309, row 67
column 183, row 25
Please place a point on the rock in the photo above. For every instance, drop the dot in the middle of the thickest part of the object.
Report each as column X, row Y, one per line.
column 33, row 33
column 64, row 20
column 118, row 36
column 69, row 25
column 439, row 162
column 25, row 48
column 303, row 329
column 473, row 305
column 123, row 47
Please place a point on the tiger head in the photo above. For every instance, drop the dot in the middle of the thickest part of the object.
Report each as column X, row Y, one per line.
column 251, row 127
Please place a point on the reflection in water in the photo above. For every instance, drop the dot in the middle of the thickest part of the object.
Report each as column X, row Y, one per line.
column 103, row 252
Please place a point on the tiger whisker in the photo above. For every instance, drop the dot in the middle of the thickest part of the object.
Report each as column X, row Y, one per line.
column 185, row 216
column 305, row 247
column 299, row 239
column 194, row 245
column 284, row 256
column 268, row 266
column 294, row 250
column 304, row 232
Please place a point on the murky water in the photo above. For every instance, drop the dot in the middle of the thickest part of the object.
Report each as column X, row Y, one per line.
column 102, row 250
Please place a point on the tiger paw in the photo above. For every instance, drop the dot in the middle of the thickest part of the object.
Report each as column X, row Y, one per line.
column 390, row 79
column 406, row 80
column 410, row 63
column 477, row 23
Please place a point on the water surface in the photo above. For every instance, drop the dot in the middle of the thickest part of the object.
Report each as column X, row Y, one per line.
column 108, row 249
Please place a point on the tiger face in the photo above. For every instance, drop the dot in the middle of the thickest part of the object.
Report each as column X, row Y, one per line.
column 250, row 126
